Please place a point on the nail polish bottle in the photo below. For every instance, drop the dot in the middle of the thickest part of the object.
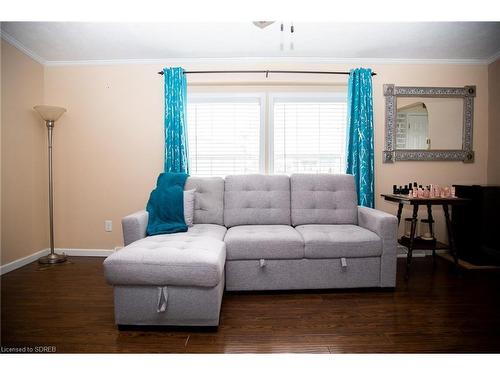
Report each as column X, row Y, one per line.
column 426, row 192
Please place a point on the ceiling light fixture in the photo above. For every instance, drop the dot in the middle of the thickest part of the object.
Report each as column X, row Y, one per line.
column 263, row 24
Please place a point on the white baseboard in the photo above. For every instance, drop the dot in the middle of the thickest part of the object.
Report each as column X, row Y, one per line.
column 18, row 263
column 106, row 252
column 86, row 252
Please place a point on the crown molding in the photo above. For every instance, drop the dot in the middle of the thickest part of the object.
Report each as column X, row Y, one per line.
column 493, row 58
column 269, row 60
column 14, row 42
column 244, row 60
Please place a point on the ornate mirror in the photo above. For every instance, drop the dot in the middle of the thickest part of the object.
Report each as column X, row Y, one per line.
column 428, row 123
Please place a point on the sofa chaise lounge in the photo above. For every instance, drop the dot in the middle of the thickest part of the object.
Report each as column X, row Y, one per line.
column 251, row 232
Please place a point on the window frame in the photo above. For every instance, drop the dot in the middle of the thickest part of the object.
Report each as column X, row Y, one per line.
column 238, row 97
column 266, row 100
column 298, row 97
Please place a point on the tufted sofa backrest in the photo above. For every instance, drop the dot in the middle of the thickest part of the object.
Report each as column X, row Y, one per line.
column 323, row 199
column 256, row 199
column 274, row 199
column 209, row 199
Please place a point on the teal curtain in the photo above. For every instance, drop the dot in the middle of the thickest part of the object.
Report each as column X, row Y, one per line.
column 360, row 134
column 176, row 142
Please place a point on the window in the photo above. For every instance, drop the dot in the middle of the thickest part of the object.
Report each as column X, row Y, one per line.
column 304, row 132
column 309, row 134
column 224, row 135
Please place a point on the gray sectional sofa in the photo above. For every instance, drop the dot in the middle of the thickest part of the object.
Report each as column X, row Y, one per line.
column 251, row 232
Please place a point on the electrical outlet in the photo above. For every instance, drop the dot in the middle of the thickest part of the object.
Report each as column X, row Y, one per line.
column 108, row 225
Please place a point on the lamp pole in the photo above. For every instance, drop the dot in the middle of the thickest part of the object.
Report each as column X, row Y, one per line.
column 50, row 115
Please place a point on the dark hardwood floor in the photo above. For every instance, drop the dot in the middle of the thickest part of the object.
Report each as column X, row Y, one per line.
column 71, row 307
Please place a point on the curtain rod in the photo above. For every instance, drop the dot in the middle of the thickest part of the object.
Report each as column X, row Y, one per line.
column 264, row 71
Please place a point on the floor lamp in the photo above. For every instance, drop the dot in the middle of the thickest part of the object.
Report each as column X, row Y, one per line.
column 50, row 115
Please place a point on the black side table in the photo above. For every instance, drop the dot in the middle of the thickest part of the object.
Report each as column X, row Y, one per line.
column 428, row 202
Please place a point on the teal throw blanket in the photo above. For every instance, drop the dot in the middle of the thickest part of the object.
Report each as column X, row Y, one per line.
column 166, row 205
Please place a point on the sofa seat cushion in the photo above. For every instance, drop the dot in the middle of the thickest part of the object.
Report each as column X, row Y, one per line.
column 263, row 242
column 338, row 241
column 181, row 259
column 197, row 230
column 203, row 230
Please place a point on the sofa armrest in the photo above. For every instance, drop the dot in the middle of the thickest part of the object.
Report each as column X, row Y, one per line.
column 386, row 227
column 383, row 224
column 134, row 226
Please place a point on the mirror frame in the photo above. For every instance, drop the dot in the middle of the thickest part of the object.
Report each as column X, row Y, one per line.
column 392, row 92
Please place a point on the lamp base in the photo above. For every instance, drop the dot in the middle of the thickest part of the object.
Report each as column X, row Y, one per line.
column 53, row 258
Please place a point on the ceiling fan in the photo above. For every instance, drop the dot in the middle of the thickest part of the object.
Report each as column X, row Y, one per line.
column 263, row 24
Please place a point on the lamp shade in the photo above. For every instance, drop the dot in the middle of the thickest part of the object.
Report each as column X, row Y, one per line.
column 48, row 112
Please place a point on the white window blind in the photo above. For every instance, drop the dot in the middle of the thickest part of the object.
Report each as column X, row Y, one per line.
column 309, row 134
column 224, row 135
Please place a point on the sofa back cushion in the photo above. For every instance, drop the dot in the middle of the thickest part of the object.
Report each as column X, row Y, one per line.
column 323, row 199
column 256, row 199
column 208, row 199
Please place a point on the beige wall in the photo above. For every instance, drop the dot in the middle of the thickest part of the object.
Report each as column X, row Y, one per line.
column 23, row 157
column 494, row 123
column 109, row 144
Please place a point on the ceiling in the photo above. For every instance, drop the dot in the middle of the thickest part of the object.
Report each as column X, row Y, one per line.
column 71, row 42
